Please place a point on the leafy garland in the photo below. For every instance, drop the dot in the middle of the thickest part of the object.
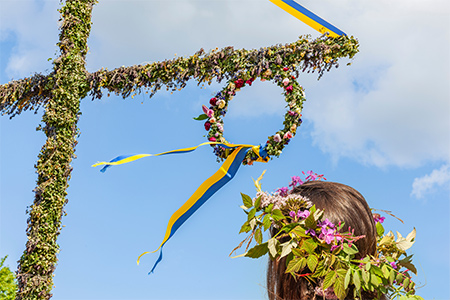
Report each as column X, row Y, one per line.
column 38, row 262
column 321, row 252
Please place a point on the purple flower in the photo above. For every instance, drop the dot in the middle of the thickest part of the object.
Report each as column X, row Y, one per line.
column 292, row 214
column 283, row 191
column 327, row 235
column 326, row 223
column 393, row 264
column 292, row 113
column 378, row 219
column 310, row 231
column 303, row 214
column 296, row 180
column 311, row 175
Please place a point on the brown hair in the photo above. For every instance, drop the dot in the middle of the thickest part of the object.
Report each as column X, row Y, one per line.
column 340, row 203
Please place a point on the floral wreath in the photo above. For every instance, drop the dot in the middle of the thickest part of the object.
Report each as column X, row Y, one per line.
column 320, row 252
column 294, row 96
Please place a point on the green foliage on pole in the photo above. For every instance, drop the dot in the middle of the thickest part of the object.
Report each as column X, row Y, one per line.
column 36, row 266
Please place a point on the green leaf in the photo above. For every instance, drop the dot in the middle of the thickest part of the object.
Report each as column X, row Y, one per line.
column 374, row 280
column 309, row 245
column 297, row 252
column 310, row 222
column 350, row 250
column 273, row 243
column 357, row 280
column 251, row 214
column 277, row 215
column 385, row 271
column 329, row 279
column 380, row 229
column 266, row 222
column 300, row 232
column 391, row 277
column 365, row 276
column 258, row 251
column 348, row 277
column 339, row 288
column 247, row 200
column 296, row 265
column 245, row 227
column 407, row 263
column 257, row 202
column 406, row 282
column 258, row 236
column 269, row 208
column 201, row 117
column 312, row 261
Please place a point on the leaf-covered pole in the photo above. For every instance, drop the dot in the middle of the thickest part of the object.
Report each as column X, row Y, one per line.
column 38, row 262
column 304, row 55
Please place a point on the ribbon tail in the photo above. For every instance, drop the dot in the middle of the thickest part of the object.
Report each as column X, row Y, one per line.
column 222, row 176
column 157, row 262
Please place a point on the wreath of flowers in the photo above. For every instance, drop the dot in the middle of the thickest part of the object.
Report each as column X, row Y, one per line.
column 294, row 96
column 319, row 251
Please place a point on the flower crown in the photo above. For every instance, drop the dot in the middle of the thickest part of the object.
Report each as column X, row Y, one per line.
column 317, row 250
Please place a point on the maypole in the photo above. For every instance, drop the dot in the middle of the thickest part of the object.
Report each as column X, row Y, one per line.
column 62, row 110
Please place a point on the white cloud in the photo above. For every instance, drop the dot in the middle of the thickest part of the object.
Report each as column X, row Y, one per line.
column 33, row 27
column 391, row 107
column 437, row 178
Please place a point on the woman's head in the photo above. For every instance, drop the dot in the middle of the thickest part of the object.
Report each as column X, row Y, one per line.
column 340, row 203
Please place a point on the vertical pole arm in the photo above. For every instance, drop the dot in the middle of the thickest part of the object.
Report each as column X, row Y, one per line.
column 38, row 261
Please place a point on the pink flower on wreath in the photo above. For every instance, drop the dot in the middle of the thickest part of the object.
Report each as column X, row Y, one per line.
column 285, row 81
column 277, row 138
column 220, row 127
column 288, row 135
column 292, row 113
column 285, row 68
column 212, row 139
column 289, row 89
column 207, row 111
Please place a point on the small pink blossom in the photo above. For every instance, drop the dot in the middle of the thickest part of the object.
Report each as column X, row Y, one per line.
column 212, row 139
column 285, row 81
column 207, row 111
column 277, row 138
column 288, row 135
column 220, row 127
column 289, row 89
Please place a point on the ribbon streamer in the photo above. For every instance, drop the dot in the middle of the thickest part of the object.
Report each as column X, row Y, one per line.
column 222, row 176
column 308, row 17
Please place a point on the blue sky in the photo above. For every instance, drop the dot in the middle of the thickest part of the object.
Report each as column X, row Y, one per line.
column 381, row 125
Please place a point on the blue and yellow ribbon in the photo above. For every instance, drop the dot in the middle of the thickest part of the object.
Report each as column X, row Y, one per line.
column 308, row 17
column 225, row 173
